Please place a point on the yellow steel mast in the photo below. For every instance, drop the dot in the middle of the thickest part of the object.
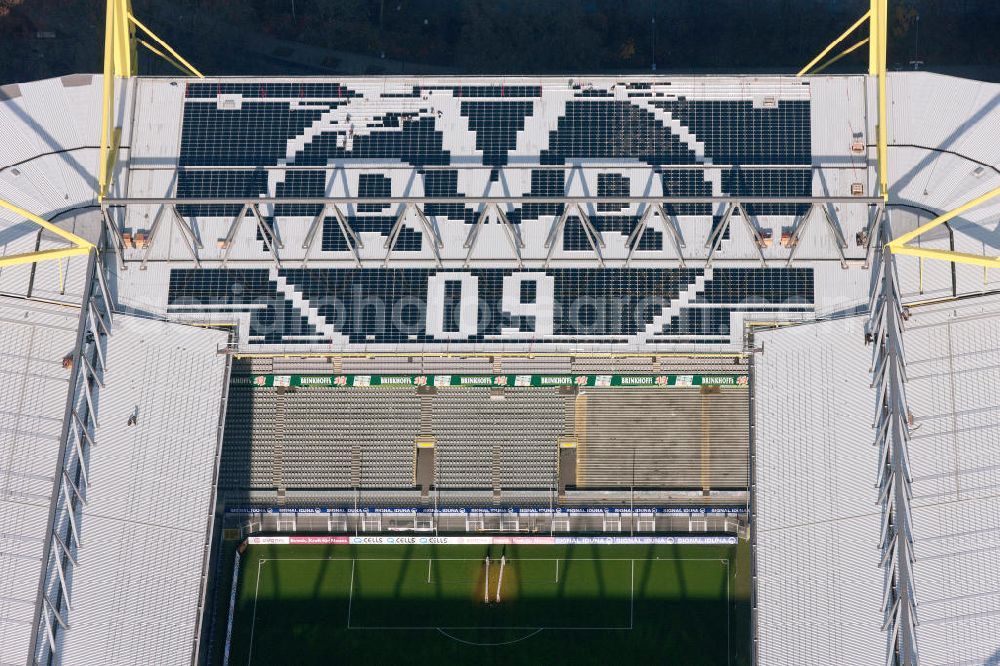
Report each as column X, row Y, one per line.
column 119, row 63
column 878, row 18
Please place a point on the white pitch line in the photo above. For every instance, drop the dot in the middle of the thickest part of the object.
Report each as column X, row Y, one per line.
column 350, row 594
column 486, row 592
column 729, row 643
column 514, row 640
column 631, row 607
column 253, row 624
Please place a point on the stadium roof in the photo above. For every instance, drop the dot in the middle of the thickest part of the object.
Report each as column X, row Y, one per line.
column 32, row 406
column 135, row 583
column 146, row 525
column 953, row 367
column 816, row 512
column 500, row 139
column 944, row 151
column 819, row 586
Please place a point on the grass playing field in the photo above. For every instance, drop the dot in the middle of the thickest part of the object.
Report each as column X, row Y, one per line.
column 579, row 604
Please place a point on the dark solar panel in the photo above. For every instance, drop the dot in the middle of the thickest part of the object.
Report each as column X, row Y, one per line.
column 496, row 125
column 734, row 132
column 277, row 121
column 384, row 305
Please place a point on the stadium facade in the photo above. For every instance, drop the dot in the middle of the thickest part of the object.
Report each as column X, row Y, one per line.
column 319, row 306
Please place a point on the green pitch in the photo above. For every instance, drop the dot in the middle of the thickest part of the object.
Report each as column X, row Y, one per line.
column 579, row 604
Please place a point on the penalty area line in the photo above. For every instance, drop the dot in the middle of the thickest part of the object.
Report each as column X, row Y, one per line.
column 253, row 623
column 631, row 599
column 350, row 595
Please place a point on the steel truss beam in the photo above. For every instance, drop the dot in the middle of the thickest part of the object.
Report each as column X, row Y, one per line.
column 352, row 239
column 715, row 238
column 390, row 243
column 71, row 476
column 476, row 199
column 593, row 236
column 636, row 235
column 893, row 478
column 799, row 228
column 491, row 206
column 513, row 235
column 269, row 234
column 669, row 222
column 191, row 241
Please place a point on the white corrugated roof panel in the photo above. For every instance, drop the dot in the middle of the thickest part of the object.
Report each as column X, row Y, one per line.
column 953, row 365
column 33, row 393
column 137, row 583
column 817, row 523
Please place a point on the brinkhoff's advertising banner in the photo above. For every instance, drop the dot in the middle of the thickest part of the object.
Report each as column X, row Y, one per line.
column 490, row 381
column 682, row 540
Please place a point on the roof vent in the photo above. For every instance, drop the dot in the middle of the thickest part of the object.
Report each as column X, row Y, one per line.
column 770, row 103
column 857, row 146
column 857, row 189
column 230, row 102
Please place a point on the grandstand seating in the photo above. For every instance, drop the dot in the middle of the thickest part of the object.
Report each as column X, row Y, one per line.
column 320, row 438
column 687, row 438
column 328, row 438
column 248, row 447
column 232, row 132
column 506, row 443
column 377, row 140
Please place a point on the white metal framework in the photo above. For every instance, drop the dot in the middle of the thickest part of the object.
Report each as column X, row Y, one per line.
column 885, row 330
column 69, row 494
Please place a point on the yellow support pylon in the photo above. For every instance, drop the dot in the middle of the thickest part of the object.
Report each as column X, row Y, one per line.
column 899, row 245
column 80, row 246
column 879, row 9
column 849, row 50
column 120, row 62
column 844, row 35
column 877, row 18
column 878, row 22
column 875, row 34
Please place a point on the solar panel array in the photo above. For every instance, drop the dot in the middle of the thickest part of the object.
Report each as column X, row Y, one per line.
column 259, row 132
column 396, row 306
column 308, row 139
